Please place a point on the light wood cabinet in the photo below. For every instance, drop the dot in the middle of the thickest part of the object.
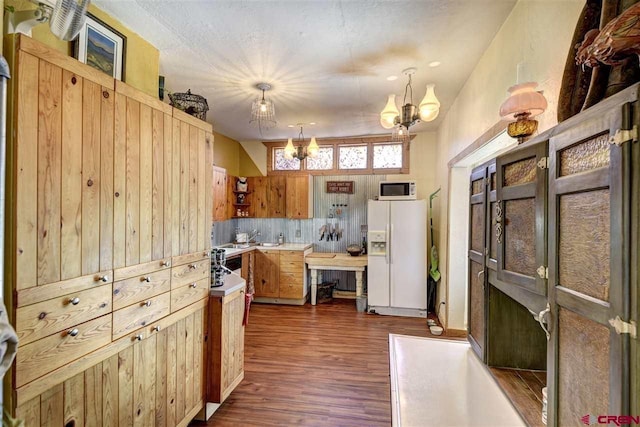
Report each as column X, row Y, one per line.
column 267, row 273
column 299, row 203
column 120, row 195
column 277, row 200
column 219, row 194
column 226, row 348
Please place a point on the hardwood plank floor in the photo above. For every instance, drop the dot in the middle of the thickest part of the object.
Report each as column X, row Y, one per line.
column 524, row 389
column 315, row 365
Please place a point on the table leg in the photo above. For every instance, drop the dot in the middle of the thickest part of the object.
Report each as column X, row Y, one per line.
column 358, row 283
column 314, row 285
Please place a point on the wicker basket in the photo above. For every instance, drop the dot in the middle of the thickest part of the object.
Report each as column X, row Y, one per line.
column 325, row 292
column 190, row 103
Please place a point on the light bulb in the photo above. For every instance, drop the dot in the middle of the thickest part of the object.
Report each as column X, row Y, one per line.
column 389, row 113
column 263, row 107
column 312, row 149
column 429, row 106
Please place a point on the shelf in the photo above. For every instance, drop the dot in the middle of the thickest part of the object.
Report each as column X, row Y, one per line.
column 241, row 192
column 250, row 216
column 242, row 204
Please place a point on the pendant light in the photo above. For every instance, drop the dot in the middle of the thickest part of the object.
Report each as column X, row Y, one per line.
column 263, row 112
column 299, row 151
column 410, row 114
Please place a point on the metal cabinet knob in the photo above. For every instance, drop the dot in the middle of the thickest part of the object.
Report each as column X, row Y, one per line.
column 145, row 279
column 146, row 304
column 205, row 254
column 103, row 279
column 193, row 266
column 74, row 301
column 73, row 332
column 194, row 285
column 138, row 337
column 165, row 263
column 156, row 328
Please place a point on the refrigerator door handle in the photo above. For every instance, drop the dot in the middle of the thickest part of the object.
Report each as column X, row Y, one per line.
column 387, row 248
column 389, row 244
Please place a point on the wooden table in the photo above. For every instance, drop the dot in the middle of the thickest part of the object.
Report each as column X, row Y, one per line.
column 318, row 261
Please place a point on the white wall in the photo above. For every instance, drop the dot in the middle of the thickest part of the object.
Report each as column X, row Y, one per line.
column 537, row 34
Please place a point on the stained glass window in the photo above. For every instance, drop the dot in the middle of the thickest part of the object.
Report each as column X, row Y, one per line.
column 352, row 157
column 387, row 156
column 282, row 164
column 322, row 161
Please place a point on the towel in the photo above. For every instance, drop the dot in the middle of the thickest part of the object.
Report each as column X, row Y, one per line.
column 8, row 341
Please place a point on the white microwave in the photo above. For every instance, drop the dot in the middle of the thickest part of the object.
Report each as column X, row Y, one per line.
column 397, row 190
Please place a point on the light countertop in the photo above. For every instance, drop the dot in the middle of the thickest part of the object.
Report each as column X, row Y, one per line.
column 231, row 252
column 232, row 283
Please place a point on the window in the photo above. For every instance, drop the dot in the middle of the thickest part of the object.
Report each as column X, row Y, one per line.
column 387, row 156
column 352, row 157
column 283, row 164
column 344, row 156
column 322, row 161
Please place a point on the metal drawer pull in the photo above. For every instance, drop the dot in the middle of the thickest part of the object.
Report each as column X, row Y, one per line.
column 138, row 337
column 146, row 304
column 480, row 274
column 104, row 278
column 194, row 285
column 145, row 279
column 542, row 321
column 206, row 254
column 74, row 301
column 193, row 266
column 165, row 264
column 157, row 328
column 73, row 332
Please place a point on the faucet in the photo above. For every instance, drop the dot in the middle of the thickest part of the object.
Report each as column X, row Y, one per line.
column 253, row 235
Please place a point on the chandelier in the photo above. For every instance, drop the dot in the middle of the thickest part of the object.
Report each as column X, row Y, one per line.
column 427, row 111
column 299, row 151
column 263, row 112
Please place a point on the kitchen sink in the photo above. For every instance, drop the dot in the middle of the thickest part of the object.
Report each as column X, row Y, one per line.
column 234, row 246
column 269, row 245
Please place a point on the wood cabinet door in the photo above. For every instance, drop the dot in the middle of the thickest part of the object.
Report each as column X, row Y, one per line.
column 219, row 194
column 259, row 187
column 521, row 217
column 477, row 274
column 277, row 196
column 267, row 272
column 232, row 341
column 298, row 197
column 589, row 250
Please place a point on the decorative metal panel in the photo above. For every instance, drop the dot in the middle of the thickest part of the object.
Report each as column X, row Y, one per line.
column 476, row 302
column 520, row 236
column 583, row 368
column 493, row 181
column 477, row 227
column 585, row 156
column 387, row 156
column 520, row 172
column 477, row 186
column 584, row 243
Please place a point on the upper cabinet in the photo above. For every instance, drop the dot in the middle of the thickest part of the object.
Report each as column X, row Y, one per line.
column 219, row 194
column 299, row 190
column 281, row 196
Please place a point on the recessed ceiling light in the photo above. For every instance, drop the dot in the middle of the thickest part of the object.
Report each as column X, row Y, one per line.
column 434, row 64
column 312, row 123
column 289, row 126
column 392, row 78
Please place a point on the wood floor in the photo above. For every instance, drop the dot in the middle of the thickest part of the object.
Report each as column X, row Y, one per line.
column 315, row 365
column 524, row 388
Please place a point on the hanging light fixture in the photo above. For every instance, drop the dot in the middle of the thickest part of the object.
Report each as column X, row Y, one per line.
column 400, row 122
column 524, row 102
column 263, row 112
column 299, row 151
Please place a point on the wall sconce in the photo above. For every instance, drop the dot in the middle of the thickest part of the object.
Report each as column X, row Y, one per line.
column 524, row 102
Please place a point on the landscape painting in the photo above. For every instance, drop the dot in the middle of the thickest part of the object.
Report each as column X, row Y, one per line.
column 101, row 47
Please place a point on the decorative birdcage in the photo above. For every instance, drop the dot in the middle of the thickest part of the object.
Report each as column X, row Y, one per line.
column 196, row 105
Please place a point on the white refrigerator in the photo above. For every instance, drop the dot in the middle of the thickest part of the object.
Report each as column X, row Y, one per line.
column 397, row 252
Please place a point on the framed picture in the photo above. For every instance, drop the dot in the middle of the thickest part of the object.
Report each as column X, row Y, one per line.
column 101, row 47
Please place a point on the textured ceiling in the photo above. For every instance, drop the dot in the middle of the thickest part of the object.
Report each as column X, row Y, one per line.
column 327, row 60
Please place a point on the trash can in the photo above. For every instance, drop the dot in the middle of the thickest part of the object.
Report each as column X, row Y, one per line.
column 361, row 303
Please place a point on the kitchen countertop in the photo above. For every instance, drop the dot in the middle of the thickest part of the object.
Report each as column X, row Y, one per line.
column 231, row 252
column 232, row 283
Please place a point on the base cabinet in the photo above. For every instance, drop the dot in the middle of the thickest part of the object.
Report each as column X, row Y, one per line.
column 158, row 380
column 226, row 347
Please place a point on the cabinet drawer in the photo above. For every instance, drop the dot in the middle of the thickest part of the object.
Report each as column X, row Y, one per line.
column 188, row 294
column 48, row 317
column 292, row 255
column 141, row 269
column 189, row 273
column 291, row 289
column 291, row 277
column 140, row 288
column 291, row 266
column 138, row 315
column 42, row 356
column 190, row 258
